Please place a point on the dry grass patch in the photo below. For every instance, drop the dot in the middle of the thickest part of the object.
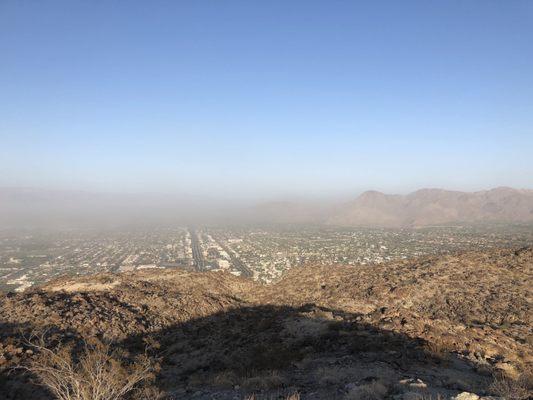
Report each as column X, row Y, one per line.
column 226, row 379
column 438, row 350
column 371, row 391
column 521, row 388
column 269, row 380
column 333, row 375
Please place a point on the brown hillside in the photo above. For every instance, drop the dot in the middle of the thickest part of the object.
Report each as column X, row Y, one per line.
column 478, row 302
column 437, row 326
column 436, row 206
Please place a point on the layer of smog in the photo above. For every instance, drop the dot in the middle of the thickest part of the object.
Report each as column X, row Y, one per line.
column 277, row 200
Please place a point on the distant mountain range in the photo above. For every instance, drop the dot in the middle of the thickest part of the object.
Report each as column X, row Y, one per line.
column 434, row 207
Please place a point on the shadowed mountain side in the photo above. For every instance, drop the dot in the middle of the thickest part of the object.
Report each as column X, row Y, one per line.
column 449, row 321
column 321, row 353
column 315, row 351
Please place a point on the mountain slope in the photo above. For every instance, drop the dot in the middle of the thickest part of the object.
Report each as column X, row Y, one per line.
column 324, row 332
column 436, row 206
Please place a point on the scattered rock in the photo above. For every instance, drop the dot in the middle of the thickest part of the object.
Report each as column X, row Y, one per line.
column 466, row 396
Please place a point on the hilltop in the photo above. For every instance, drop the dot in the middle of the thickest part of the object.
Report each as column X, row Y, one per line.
column 440, row 325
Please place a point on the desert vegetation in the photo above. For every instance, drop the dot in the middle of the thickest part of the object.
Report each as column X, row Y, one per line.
column 89, row 370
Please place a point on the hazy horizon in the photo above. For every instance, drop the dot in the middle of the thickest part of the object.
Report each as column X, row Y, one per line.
column 266, row 199
column 330, row 197
column 248, row 101
column 35, row 208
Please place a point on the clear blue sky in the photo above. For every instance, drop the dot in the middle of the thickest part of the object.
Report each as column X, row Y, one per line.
column 271, row 98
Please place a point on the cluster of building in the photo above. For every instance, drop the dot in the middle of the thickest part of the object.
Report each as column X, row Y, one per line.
column 31, row 259
column 269, row 252
column 263, row 254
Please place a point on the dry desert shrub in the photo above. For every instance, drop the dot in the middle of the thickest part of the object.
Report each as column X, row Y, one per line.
column 507, row 388
column 268, row 380
column 336, row 375
column 98, row 373
column 226, row 379
column 372, row 391
column 438, row 350
column 330, row 376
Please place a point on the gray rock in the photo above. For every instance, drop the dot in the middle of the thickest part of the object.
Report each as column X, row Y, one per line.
column 466, row 396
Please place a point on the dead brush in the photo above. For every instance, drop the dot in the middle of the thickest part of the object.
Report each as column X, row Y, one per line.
column 372, row 391
column 332, row 375
column 226, row 379
column 437, row 351
column 264, row 381
column 98, row 373
column 513, row 389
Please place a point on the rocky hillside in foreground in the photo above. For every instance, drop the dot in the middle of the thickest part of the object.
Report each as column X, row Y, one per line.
column 436, row 206
column 415, row 329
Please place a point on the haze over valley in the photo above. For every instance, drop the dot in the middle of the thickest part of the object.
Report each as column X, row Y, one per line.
column 425, row 207
column 47, row 234
column 276, row 200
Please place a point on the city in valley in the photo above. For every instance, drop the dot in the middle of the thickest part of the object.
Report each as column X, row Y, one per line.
column 263, row 253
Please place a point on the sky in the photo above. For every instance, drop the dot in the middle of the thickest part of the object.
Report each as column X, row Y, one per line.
column 267, row 99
